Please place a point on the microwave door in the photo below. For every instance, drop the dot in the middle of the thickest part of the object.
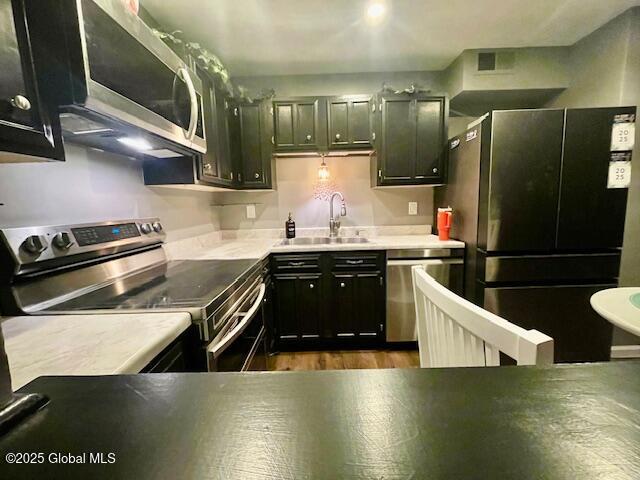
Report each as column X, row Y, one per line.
column 131, row 76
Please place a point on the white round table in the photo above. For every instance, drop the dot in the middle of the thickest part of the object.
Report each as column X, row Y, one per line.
column 620, row 306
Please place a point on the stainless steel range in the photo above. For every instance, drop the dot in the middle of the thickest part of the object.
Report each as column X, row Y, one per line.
column 121, row 266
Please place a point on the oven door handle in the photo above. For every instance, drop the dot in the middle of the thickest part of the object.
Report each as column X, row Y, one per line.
column 217, row 348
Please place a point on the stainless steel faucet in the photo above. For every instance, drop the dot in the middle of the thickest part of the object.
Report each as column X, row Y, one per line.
column 334, row 223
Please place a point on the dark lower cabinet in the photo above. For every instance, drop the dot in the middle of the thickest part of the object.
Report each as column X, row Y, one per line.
column 357, row 310
column 337, row 300
column 182, row 355
column 298, row 307
column 29, row 125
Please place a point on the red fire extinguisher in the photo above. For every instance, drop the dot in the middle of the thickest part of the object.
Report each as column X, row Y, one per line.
column 444, row 222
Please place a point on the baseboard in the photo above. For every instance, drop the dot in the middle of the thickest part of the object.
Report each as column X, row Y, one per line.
column 625, row 351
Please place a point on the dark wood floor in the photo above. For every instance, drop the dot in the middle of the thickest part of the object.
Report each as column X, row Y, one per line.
column 344, row 359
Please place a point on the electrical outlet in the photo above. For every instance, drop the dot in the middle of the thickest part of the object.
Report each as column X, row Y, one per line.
column 413, row 208
column 251, row 211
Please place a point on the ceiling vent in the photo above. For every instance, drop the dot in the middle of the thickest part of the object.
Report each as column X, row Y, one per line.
column 496, row 61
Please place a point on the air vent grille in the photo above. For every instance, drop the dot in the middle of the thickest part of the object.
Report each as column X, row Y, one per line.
column 496, row 61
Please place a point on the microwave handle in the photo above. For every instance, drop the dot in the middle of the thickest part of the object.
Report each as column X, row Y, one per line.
column 219, row 347
column 183, row 73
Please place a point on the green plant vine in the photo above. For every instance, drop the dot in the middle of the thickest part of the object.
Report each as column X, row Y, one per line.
column 211, row 64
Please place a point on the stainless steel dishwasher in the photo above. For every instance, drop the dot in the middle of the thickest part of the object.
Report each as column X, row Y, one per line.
column 445, row 265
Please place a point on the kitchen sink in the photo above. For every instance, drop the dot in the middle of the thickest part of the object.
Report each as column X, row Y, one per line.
column 323, row 240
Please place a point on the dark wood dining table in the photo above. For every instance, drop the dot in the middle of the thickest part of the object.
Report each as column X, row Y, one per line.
column 561, row 422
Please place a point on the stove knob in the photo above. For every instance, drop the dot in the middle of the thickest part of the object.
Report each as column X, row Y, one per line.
column 35, row 244
column 62, row 240
column 146, row 228
column 157, row 227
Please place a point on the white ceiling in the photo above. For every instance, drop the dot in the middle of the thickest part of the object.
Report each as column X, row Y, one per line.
column 272, row 37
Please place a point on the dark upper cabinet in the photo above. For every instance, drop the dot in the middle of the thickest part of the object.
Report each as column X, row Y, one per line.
column 412, row 133
column 299, row 124
column 29, row 127
column 216, row 165
column 251, row 144
column 349, row 122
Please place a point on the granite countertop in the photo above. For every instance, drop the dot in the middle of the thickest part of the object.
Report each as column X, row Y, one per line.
column 260, row 248
column 101, row 344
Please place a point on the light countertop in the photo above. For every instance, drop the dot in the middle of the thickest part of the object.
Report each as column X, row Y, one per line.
column 101, row 344
column 259, row 248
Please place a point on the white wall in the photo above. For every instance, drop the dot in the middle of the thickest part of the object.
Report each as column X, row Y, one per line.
column 93, row 186
column 296, row 178
column 341, row 84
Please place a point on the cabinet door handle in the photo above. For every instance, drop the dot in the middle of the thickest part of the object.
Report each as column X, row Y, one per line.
column 373, row 108
column 355, row 262
column 337, row 136
column 257, row 175
column 21, row 102
column 207, row 166
column 342, row 285
column 311, row 285
column 379, row 173
column 273, row 140
column 373, row 135
column 435, row 170
column 296, row 264
column 308, row 138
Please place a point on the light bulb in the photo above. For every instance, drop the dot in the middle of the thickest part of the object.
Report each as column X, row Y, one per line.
column 323, row 172
column 375, row 10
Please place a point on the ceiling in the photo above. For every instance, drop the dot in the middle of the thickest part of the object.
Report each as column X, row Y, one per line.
column 284, row 37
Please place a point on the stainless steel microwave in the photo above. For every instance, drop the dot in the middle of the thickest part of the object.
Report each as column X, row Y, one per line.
column 117, row 86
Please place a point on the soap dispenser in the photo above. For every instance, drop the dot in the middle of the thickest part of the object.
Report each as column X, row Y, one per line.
column 290, row 227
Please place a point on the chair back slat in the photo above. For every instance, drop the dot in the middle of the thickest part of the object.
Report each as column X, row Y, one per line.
column 453, row 332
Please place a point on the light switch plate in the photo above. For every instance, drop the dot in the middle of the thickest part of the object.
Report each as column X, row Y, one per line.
column 413, row 208
column 251, row 211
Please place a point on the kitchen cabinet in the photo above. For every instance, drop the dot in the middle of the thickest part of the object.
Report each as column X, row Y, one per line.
column 29, row 124
column 349, row 121
column 182, row 355
column 299, row 124
column 410, row 149
column 329, row 299
column 356, row 309
column 216, row 165
column 252, row 149
column 298, row 307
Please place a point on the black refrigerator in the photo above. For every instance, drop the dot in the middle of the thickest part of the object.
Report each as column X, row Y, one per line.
column 543, row 220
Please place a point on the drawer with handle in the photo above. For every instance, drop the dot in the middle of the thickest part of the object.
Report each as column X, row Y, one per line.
column 296, row 263
column 365, row 260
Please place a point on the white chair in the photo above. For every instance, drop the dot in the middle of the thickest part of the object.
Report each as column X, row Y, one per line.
column 453, row 332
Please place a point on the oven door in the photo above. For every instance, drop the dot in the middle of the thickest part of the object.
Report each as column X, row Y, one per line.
column 240, row 345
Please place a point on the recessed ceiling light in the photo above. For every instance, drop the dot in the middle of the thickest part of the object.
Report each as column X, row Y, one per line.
column 136, row 143
column 375, row 10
